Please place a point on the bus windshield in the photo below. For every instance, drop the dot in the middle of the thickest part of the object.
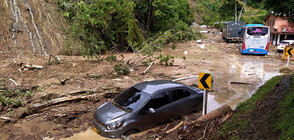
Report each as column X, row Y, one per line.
column 257, row 31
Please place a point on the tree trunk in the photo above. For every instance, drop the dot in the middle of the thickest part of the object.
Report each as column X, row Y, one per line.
column 235, row 10
column 242, row 10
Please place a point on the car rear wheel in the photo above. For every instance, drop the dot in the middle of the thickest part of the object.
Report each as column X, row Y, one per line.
column 131, row 131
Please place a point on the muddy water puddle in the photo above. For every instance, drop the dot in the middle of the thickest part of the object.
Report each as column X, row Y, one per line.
column 89, row 134
column 246, row 79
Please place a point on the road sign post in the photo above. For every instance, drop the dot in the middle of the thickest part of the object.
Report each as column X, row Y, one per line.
column 204, row 109
column 205, row 82
column 289, row 52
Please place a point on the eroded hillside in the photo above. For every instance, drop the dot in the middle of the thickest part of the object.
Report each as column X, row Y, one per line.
column 31, row 26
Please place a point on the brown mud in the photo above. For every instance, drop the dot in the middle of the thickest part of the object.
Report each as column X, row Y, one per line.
column 75, row 73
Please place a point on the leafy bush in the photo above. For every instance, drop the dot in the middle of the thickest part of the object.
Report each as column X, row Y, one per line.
column 167, row 60
column 13, row 97
column 121, row 69
column 102, row 24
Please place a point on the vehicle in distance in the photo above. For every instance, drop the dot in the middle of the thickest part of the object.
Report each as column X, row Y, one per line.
column 283, row 43
column 231, row 30
column 145, row 105
column 256, row 39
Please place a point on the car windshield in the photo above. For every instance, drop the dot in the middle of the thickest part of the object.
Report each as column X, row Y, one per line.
column 257, row 31
column 131, row 99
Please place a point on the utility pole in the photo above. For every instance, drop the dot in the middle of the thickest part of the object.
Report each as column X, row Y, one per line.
column 242, row 10
column 236, row 10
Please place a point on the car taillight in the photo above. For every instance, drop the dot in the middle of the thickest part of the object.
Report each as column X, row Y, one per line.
column 243, row 46
column 266, row 48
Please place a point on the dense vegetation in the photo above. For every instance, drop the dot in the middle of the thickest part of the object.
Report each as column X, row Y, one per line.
column 281, row 7
column 224, row 10
column 102, row 25
column 13, row 97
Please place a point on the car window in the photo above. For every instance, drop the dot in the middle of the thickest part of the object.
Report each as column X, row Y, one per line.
column 179, row 94
column 131, row 99
column 166, row 98
column 159, row 100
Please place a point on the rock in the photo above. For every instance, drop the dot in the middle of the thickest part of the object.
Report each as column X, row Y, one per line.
column 199, row 41
column 203, row 26
column 203, row 32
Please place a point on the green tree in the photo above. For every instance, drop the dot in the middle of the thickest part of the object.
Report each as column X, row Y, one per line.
column 282, row 7
column 102, row 24
column 161, row 15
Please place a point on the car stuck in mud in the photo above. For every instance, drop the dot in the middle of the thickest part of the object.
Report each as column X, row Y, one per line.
column 145, row 105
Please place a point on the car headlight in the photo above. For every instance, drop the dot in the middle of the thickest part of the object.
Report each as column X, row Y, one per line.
column 115, row 125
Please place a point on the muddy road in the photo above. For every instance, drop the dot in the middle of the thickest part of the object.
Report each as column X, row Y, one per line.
column 236, row 78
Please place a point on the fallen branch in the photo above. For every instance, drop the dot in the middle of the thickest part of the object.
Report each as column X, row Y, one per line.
column 13, row 82
column 31, row 67
column 148, row 67
column 184, row 78
column 225, row 118
column 241, row 83
column 74, row 93
column 173, row 129
column 31, row 117
column 214, row 114
column 166, row 127
column 204, row 133
column 56, row 101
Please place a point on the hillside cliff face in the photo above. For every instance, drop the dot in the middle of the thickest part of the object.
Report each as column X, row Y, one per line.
column 31, row 26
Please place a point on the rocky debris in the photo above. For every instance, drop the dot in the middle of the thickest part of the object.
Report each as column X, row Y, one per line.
column 203, row 31
column 203, row 26
column 202, row 46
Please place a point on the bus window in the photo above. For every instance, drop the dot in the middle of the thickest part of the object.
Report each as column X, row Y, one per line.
column 257, row 31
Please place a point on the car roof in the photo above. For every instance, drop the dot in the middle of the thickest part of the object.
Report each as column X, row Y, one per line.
column 151, row 87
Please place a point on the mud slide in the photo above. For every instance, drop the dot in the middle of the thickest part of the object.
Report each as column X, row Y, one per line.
column 29, row 27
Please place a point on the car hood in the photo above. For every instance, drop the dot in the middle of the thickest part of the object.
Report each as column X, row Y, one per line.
column 108, row 112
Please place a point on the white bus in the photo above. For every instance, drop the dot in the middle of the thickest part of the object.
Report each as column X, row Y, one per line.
column 256, row 39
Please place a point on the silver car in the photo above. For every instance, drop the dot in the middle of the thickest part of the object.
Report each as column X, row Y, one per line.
column 283, row 43
column 145, row 105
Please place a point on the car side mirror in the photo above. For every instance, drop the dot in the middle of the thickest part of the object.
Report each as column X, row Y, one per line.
column 150, row 111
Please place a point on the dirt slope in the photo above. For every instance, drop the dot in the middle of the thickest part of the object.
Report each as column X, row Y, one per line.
column 261, row 123
column 31, row 26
